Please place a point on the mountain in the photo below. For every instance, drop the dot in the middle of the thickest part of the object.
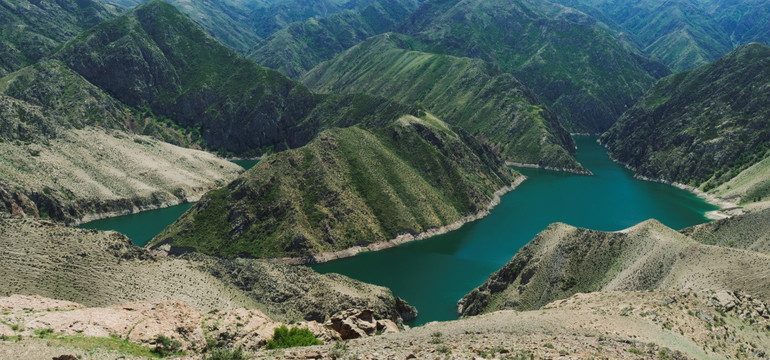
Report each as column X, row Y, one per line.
column 464, row 92
column 348, row 187
column 74, row 153
column 580, row 70
column 300, row 46
column 563, row 260
column 98, row 268
column 681, row 33
column 156, row 58
column 30, row 30
column 703, row 127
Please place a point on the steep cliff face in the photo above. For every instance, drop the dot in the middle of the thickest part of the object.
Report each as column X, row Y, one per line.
column 348, row 187
column 702, row 127
column 564, row 260
column 464, row 92
column 581, row 71
column 156, row 57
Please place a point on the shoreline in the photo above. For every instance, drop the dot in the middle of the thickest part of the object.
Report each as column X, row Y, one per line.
column 138, row 209
column 401, row 239
column 552, row 168
column 725, row 206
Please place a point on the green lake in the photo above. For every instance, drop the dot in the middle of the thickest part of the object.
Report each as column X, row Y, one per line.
column 433, row 274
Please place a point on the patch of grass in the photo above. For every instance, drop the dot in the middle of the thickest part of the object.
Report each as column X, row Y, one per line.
column 285, row 338
column 41, row 333
column 635, row 351
column 226, row 354
column 443, row 349
column 124, row 347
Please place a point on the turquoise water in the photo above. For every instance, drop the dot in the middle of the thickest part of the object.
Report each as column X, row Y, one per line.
column 246, row 164
column 433, row 274
column 140, row 227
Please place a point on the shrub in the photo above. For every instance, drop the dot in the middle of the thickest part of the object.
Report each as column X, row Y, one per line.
column 226, row 354
column 285, row 338
column 165, row 346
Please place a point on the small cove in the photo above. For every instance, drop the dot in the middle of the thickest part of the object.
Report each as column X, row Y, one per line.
column 433, row 274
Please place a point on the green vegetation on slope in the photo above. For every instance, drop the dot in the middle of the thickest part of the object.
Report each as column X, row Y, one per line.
column 702, row 127
column 347, row 187
column 30, row 30
column 300, row 46
column 464, row 92
column 749, row 231
column 156, row 57
column 586, row 75
column 563, row 260
column 680, row 33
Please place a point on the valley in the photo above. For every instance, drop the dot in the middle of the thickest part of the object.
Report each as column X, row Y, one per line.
column 368, row 179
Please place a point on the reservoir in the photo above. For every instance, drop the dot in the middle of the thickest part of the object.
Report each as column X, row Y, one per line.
column 433, row 274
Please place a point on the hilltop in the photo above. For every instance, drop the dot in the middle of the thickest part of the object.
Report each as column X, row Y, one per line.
column 464, row 92
column 347, row 188
column 246, row 110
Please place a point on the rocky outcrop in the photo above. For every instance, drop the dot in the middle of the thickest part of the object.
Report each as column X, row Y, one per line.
column 355, row 323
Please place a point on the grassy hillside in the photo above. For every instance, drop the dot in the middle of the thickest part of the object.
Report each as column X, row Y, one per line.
column 564, row 260
column 30, row 30
column 703, row 127
column 682, row 34
column 156, row 58
column 581, row 71
column 300, row 46
column 465, row 92
column 348, row 187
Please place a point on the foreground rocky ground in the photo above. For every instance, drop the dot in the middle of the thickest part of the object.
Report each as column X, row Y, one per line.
column 609, row 325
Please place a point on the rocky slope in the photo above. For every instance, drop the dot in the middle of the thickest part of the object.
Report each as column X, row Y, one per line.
column 564, row 260
column 580, row 70
column 300, row 46
column 73, row 153
column 464, row 92
column 102, row 269
column 136, row 326
column 155, row 57
column 348, row 187
column 703, row 127
column 614, row 325
column 30, row 30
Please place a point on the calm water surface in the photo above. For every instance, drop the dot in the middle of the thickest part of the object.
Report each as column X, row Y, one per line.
column 433, row 274
column 142, row 227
